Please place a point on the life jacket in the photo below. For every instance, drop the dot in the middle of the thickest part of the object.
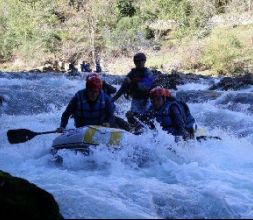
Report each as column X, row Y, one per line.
column 187, row 116
column 163, row 116
column 141, row 83
column 87, row 114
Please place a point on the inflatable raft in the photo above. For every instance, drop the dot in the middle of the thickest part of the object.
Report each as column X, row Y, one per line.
column 82, row 139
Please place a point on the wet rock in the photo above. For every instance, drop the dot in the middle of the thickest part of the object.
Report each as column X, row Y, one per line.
column 194, row 96
column 191, row 77
column 35, row 71
column 21, row 199
column 48, row 68
column 53, row 66
column 166, row 80
column 170, row 81
column 234, row 83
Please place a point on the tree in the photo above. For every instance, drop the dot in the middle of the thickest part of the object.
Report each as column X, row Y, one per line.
column 126, row 8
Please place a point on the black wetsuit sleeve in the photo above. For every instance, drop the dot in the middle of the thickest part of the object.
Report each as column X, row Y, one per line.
column 71, row 108
column 121, row 91
column 124, row 87
column 108, row 89
column 177, row 120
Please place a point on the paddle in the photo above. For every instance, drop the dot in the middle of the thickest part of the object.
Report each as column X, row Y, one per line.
column 203, row 137
column 198, row 138
column 23, row 135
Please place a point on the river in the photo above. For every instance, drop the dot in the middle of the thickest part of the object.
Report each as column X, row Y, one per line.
column 211, row 179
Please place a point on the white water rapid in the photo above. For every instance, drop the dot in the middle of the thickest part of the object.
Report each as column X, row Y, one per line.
column 211, row 179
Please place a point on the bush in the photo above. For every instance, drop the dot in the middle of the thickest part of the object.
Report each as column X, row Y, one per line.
column 126, row 8
column 127, row 35
column 221, row 51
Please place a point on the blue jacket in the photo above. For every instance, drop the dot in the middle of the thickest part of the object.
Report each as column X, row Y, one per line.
column 173, row 117
column 86, row 112
column 142, row 81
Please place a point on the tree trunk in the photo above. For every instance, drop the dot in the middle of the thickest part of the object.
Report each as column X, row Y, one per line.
column 92, row 33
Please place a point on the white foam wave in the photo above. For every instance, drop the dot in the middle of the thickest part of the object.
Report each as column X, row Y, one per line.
column 151, row 176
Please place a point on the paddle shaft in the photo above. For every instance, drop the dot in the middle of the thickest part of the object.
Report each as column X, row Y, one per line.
column 140, row 122
column 46, row 132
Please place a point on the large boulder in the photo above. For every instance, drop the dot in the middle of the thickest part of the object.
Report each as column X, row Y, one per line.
column 35, row 71
column 48, row 68
column 22, row 199
column 234, row 83
column 166, row 80
column 170, row 81
column 197, row 96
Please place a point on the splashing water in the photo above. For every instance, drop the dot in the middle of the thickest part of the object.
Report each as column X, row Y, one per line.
column 151, row 176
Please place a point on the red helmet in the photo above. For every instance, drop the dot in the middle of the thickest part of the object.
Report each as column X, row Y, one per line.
column 94, row 82
column 159, row 91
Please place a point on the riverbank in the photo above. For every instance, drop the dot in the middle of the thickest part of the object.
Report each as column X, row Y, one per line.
column 224, row 51
column 213, row 38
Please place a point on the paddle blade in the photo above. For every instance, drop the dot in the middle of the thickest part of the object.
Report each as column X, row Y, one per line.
column 20, row 135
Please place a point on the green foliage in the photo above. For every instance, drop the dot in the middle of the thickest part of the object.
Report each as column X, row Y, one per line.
column 190, row 16
column 27, row 25
column 125, row 35
column 174, row 9
column 126, row 8
column 51, row 41
column 221, row 52
column 148, row 33
column 157, row 62
column 69, row 29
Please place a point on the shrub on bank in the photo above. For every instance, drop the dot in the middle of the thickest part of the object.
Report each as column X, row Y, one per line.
column 226, row 50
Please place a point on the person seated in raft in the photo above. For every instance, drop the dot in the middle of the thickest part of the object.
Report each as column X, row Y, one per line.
column 109, row 89
column 90, row 106
column 173, row 115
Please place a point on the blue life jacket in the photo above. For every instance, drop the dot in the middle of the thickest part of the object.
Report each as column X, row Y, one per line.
column 187, row 116
column 163, row 116
column 142, row 81
column 145, row 83
column 87, row 114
